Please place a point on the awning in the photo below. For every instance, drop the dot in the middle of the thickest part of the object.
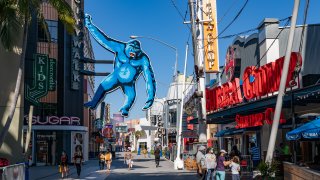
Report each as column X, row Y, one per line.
column 233, row 131
column 310, row 130
column 149, row 128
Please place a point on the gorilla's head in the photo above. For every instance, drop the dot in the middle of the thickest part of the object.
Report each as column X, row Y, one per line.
column 133, row 49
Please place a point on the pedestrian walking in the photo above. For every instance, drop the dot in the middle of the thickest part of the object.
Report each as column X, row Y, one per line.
column 235, row 168
column 200, row 159
column 149, row 153
column 221, row 163
column 125, row 157
column 211, row 164
column 144, row 152
column 101, row 160
column 77, row 159
column 108, row 159
column 129, row 160
column 255, row 154
column 157, row 156
column 64, row 165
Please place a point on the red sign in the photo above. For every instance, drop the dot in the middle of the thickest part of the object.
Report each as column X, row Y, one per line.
column 226, row 95
column 266, row 80
column 190, row 126
column 267, row 77
column 107, row 131
column 258, row 119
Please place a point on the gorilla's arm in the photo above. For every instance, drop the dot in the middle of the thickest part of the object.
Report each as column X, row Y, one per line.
column 150, row 82
column 104, row 40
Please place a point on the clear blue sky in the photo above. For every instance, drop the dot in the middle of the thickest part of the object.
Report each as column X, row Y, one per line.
column 159, row 19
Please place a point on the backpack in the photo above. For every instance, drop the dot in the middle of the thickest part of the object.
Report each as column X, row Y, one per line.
column 108, row 157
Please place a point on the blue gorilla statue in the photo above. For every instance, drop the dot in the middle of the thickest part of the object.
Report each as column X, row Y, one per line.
column 130, row 62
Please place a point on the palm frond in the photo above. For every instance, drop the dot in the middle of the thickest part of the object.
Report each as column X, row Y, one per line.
column 65, row 13
column 10, row 25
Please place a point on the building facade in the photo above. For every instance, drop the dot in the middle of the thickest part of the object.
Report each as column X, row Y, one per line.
column 56, row 88
column 242, row 105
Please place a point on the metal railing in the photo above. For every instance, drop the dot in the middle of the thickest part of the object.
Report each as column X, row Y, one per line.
column 16, row 171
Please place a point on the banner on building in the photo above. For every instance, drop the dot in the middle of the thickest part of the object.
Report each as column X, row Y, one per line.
column 210, row 33
column 118, row 118
column 107, row 131
column 121, row 129
column 78, row 142
column 44, row 78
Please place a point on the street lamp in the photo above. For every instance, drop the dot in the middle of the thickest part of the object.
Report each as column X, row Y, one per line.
column 176, row 63
column 164, row 43
column 174, row 73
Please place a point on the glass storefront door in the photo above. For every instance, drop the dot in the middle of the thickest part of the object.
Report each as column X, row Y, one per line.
column 42, row 153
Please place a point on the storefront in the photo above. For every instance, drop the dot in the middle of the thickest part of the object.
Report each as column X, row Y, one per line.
column 51, row 137
column 243, row 103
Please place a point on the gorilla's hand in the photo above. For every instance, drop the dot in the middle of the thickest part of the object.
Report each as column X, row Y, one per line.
column 87, row 20
column 148, row 104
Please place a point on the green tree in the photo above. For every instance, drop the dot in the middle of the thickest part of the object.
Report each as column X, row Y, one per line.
column 16, row 15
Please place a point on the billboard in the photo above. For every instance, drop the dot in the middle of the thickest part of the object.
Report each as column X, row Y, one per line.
column 121, row 129
column 79, row 141
column 118, row 118
column 210, row 33
column 107, row 131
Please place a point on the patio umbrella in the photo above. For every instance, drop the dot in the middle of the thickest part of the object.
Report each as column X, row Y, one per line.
column 310, row 130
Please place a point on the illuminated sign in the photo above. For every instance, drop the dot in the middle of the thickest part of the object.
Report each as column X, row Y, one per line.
column 121, row 129
column 53, row 120
column 44, row 78
column 258, row 119
column 266, row 79
column 226, row 95
column 77, row 46
column 210, row 36
column 107, row 131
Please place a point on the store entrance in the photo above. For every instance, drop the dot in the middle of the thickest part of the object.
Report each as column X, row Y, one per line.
column 42, row 153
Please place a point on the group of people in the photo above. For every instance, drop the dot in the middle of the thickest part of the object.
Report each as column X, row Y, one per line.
column 77, row 160
column 105, row 158
column 212, row 167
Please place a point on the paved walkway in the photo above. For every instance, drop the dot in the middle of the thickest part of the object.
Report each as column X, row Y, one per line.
column 143, row 168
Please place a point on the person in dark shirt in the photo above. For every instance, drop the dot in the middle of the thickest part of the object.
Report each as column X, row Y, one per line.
column 157, row 156
column 221, row 163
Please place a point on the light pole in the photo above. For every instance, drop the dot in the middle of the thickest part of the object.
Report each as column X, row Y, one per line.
column 175, row 74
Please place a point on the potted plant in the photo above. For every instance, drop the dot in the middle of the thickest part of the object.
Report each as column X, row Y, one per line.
column 268, row 171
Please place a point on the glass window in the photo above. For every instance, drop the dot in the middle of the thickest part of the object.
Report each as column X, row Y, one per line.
column 52, row 31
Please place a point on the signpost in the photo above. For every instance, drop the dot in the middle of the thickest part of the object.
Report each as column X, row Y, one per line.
column 44, row 78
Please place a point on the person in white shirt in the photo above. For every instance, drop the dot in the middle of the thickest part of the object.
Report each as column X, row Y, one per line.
column 235, row 168
column 211, row 164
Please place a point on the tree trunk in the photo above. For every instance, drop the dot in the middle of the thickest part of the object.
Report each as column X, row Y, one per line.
column 28, row 136
column 16, row 94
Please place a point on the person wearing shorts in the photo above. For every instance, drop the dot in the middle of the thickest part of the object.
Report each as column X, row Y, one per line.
column 108, row 159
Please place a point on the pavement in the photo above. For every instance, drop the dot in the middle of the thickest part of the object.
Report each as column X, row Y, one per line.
column 143, row 168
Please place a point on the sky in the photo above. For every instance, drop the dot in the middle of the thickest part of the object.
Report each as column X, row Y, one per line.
column 159, row 19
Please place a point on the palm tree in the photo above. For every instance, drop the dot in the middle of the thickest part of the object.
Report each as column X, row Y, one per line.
column 16, row 15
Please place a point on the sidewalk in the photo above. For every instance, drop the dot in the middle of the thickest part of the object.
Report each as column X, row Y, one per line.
column 143, row 168
column 51, row 172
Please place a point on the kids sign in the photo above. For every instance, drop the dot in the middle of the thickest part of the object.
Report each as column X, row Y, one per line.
column 266, row 79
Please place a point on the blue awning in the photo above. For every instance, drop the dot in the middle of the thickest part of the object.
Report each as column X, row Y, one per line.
column 310, row 130
column 232, row 131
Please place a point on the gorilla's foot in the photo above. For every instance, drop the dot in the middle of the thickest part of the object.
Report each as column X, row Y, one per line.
column 90, row 105
column 124, row 112
column 148, row 105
